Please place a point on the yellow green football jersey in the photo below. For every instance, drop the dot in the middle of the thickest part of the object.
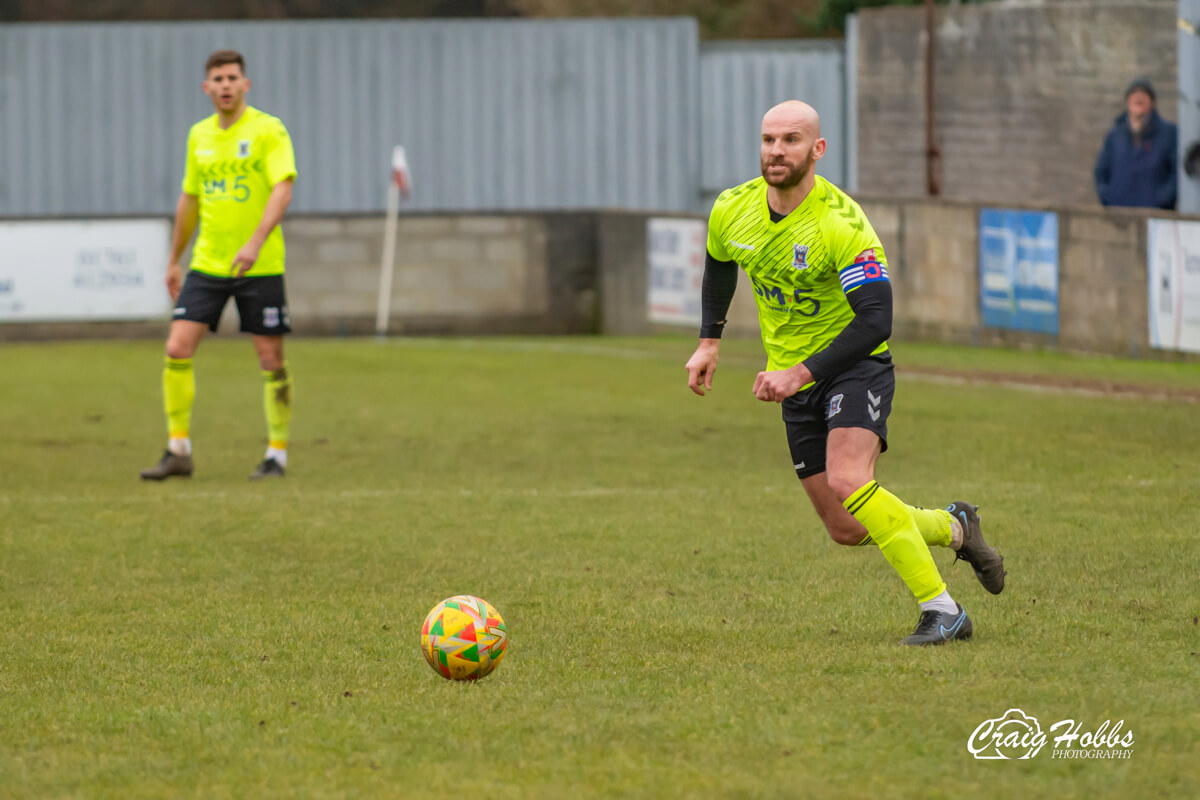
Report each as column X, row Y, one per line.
column 801, row 267
column 232, row 172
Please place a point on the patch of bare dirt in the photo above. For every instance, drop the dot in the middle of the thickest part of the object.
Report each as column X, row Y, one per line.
column 1063, row 384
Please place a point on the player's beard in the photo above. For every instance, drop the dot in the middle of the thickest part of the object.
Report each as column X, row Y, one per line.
column 794, row 176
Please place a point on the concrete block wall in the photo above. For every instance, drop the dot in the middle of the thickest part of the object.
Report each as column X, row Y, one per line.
column 933, row 257
column 1103, row 302
column 586, row 272
column 932, row 252
column 1024, row 94
column 453, row 273
column 623, row 271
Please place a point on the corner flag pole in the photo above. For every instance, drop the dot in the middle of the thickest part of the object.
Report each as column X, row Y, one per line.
column 400, row 184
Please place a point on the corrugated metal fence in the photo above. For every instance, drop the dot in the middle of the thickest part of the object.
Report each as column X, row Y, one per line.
column 495, row 114
column 741, row 80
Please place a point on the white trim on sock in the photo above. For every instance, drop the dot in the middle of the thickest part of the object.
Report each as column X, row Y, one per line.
column 956, row 533
column 943, row 602
column 279, row 455
column 180, row 446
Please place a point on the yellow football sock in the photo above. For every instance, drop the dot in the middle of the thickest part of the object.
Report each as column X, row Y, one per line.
column 277, row 400
column 179, row 390
column 890, row 525
column 934, row 525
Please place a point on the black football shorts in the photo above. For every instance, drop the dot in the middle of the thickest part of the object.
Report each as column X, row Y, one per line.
column 860, row 397
column 261, row 302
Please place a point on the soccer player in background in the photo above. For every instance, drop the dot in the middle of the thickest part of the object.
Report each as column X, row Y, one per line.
column 825, row 310
column 237, row 186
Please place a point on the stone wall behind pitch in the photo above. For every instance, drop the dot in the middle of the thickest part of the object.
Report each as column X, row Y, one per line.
column 933, row 258
column 459, row 274
column 1024, row 94
column 586, row 272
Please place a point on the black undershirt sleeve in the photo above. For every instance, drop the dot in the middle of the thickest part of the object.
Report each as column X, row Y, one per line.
column 716, row 293
column 871, row 326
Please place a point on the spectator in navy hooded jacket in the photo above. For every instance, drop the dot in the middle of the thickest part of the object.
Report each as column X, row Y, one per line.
column 1137, row 166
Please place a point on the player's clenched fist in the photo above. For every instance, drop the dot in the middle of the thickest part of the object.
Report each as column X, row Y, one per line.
column 779, row 384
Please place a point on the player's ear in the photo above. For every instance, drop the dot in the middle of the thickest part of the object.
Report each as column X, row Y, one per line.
column 819, row 148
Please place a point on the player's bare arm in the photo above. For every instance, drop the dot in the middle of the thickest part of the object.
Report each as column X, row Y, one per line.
column 187, row 215
column 703, row 365
column 277, row 205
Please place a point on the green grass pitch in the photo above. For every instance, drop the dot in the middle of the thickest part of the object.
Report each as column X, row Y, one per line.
column 681, row 626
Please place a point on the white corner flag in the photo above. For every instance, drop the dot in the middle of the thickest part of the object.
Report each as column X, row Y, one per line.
column 400, row 185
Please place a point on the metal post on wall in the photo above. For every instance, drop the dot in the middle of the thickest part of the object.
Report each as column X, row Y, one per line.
column 933, row 154
column 851, row 103
column 1189, row 106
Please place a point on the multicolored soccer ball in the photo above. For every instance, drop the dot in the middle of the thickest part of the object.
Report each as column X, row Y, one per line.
column 463, row 638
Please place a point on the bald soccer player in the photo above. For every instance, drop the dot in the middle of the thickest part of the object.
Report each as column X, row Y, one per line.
column 825, row 310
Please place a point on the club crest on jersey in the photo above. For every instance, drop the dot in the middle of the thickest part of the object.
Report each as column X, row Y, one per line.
column 244, row 148
column 799, row 256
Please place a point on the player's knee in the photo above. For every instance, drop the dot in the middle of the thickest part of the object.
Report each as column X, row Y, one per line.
column 848, row 535
column 845, row 482
column 270, row 358
column 843, row 528
column 179, row 347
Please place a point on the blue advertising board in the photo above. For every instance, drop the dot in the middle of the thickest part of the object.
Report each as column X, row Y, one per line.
column 1018, row 269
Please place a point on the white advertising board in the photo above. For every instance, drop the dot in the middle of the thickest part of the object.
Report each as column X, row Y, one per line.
column 675, row 254
column 84, row 270
column 1173, row 271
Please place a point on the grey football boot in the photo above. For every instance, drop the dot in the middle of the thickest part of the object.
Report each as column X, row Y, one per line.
column 269, row 468
column 938, row 627
column 170, row 464
column 987, row 563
